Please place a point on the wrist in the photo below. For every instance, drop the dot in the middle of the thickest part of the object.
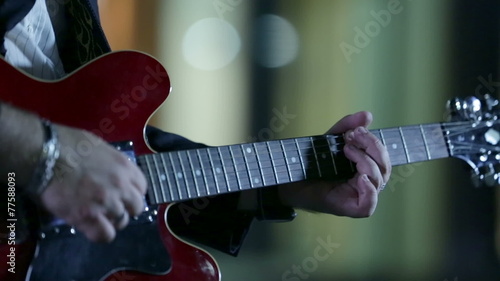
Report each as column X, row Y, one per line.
column 44, row 167
column 21, row 140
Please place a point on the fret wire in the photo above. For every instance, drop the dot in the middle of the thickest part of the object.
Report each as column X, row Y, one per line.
column 286, row 160
column 410, row 144
column 284, row 165
column 292, row 159
column 382, row 137
column 245, row 160
column 283, row 157
column 184, row 174
column 324, row 146
column 203, row 171
column 273, row 163
column 193, row 172
column 439, row 140
column 258, row 169
column 224, row 169
column 394, row 146
column 259, row 164
column 246, row 165
column 159, row 177
column 404, row 144
column 174, row 168
column 239, row 185
column 399, row 138
column 214, row 171
column 425, row 142
column 315, row 156
column 167, row 175
column 438, row 144
column 384, row 140
column 301, row 160
column 331, row 155
column 155, row 192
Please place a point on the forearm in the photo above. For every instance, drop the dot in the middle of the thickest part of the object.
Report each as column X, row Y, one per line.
column 21, row 139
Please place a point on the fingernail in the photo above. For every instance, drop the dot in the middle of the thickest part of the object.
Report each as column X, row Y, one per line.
column 365, row 178
column 349, row 136
column 361, row 130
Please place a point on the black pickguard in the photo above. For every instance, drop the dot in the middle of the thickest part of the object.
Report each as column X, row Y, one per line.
column 64, row 256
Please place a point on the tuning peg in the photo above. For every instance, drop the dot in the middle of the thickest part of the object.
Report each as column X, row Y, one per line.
column 454, row 107
column 472, row 108
column 490, row 105
column 466, row 109
column 488, row 175
column 490, row 101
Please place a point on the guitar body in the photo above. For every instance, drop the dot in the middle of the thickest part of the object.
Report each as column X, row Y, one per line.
column 112, row 97
column 115, row 95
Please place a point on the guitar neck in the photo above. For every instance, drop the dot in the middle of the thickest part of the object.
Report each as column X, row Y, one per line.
column 415, row 143
column 188, row 174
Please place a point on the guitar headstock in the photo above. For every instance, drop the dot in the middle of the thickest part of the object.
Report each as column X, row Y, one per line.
column 473, row 135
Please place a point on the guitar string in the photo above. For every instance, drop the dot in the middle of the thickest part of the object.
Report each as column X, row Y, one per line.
column 302, row 140
column 245, row 159
column 308, row 148
column 262, row 172
column 464, row 129
column 233, row 175
column 235, row 167
column 242, row 160
column 278, row 149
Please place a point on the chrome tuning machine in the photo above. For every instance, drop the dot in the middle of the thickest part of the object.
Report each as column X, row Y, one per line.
column 472, row 108
column 488, row 175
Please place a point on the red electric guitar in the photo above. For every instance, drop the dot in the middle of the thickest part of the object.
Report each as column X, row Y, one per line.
column 115, row 95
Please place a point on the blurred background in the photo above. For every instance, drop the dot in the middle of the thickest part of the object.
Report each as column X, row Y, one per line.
column 246, row 70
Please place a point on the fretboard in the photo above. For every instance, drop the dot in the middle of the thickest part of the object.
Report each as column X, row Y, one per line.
column 415, row 143
column 188, row 174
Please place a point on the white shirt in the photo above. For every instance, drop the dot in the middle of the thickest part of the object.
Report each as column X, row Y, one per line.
column 31, row 45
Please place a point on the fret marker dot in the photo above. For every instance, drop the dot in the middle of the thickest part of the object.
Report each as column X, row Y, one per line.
column 323, row 155
column 294, row 159
column 249, row 150
column 179, row 175
column 217, row 170
column 163, row 177
column 394, row 146
column 256, row 180
column 198, row 173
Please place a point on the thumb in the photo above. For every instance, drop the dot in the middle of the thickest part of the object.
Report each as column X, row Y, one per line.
column 350, row 122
